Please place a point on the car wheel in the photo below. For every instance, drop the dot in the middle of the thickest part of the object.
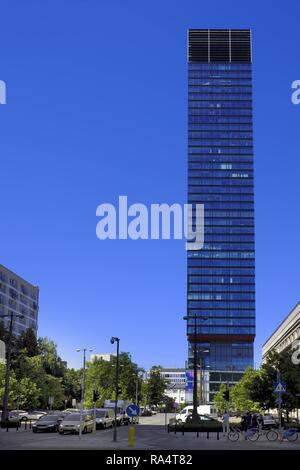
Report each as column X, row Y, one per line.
column 104, row 425
column 61, row 432
column 84, row 430
column 34, row 430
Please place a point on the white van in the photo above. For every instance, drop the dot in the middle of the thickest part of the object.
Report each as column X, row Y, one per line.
column 203, row 410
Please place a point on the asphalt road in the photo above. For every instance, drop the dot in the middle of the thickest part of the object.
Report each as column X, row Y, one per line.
column 151, row 434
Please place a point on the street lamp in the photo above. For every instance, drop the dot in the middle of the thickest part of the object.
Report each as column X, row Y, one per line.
column 117, row 340
column 82, row 386
column 195, row 417
column 139, row 375
column 8, row 357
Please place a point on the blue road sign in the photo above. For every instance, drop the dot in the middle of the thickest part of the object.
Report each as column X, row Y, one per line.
column 280, row 387
column 132, row 410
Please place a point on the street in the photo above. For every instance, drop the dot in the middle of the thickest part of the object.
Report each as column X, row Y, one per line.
column 151, row 434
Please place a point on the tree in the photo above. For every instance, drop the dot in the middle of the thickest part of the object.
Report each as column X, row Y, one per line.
column 154, row 388
column 262, row 388
column 23, row 394
column 71, row 383
column 28, row 342
column 101, row 375
column 240, row 398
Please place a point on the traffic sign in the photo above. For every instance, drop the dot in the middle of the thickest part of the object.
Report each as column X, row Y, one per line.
column 280, row 387
column 132, row 410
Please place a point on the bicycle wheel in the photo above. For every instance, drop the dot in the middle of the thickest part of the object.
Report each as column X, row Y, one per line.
column 252, row 436
column 233, row 436
column 292, row 437
column 272, row 435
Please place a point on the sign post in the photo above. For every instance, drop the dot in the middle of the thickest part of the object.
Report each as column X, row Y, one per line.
column 279, row 389
column 132, row 411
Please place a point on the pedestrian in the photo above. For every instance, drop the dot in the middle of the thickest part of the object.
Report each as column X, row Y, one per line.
column 248, row 420
column 254, row 421
column 260, row 421
column 225, row 422
column 243, row 422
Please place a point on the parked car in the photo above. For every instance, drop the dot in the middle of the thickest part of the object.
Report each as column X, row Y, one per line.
column 71, row 423
column 33, row 415
column 105, row 418
column 48, row 423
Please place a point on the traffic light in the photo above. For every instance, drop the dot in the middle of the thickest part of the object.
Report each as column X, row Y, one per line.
column 96, row 396
column 226, row 395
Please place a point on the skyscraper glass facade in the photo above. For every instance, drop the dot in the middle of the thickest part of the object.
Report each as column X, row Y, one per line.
column 221, row 276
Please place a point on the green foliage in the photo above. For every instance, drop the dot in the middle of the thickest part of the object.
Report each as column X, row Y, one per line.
column 154, row 388
column 262, row 389
column 255, row 392
column 23, row 393
column 102, row 376
column 240, row 398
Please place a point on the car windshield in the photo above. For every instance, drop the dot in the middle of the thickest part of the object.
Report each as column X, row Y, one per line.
column 100, row 413
column 51, row 418
column 73, row 417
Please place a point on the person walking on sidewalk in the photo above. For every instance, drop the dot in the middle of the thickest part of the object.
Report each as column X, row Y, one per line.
column 225, row 423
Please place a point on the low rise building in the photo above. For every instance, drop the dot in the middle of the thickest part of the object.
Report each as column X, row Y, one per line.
column 175, row 379
column 285, row 335
column 108, row 357
column 19, row 297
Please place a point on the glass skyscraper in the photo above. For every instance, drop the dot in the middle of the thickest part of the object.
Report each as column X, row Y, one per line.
column 221, row 276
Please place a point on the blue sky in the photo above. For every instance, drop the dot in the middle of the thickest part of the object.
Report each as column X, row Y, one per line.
column 97, row 107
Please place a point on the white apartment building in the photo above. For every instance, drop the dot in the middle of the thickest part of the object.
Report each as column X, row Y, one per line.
column 18, row 296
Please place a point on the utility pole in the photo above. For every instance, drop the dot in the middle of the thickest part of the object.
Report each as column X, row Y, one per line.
column 4, row 416
column 117, row 340
column 82, row 387
column 279, row 400
column 195, row 416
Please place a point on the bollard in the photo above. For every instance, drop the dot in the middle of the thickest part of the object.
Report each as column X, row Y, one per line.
column 168, row 428
column 6, row 426
column 17, row 427
column 207, row 435
column 175, row 429
column 25, row 424
column 218, row 435
column 197, row 433
column 131, row 435
column 30, row 424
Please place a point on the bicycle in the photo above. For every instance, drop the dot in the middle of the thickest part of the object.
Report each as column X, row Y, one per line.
column 252, row 434
column 291, row 434
column 234, row 433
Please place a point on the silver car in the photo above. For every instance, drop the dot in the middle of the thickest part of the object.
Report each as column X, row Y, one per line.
column 105, row 418
column 71, row 423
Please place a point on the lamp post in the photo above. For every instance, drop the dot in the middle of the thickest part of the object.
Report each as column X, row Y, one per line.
column 8, row 358
column 139, row 375
column 195, row 417
column 82, row 387
column 117, row 340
